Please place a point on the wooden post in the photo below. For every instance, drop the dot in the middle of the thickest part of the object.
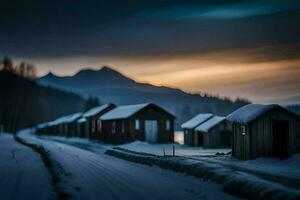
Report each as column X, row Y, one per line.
column 173, row 150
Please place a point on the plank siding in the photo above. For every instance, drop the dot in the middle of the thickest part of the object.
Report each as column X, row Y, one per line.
column 258, row 141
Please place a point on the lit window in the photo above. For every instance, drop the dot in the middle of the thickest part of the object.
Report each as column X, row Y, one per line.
column 168, row 125
column 137, row 124
column 113, row 127
column 99, row 125
column 243, row 130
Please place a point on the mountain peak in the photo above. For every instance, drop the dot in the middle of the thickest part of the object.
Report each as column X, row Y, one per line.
column 49, row 75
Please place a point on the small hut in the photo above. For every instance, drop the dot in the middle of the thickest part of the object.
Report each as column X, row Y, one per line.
column 70, row 124
column 264, row 131
column 215, row 132
column 93, row 121
column 147, row 122
column 82, row 128
column 190, row 136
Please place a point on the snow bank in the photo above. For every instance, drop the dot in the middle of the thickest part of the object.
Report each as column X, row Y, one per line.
column 180, row 150
column 56, row 170
column 234, row 182
column 22, row 172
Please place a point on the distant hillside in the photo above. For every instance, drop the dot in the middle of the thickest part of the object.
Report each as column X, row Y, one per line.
column 111, row 86
column 24, row 103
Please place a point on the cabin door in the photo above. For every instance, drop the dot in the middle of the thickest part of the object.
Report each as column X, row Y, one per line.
column 151, row 130
column 280, row 131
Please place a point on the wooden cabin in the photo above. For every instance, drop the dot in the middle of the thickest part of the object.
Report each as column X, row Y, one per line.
column 82, row 128
column 146, row 122
column 93, row 120
column 70, row 124
column 215, row 132
column 264, row 131
column 190, row 136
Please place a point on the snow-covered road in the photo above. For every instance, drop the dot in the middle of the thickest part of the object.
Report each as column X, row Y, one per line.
column 97, row 176
column 22, row 172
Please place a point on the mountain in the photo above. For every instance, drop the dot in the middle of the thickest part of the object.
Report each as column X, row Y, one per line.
column 23, row 103
column 111, row 86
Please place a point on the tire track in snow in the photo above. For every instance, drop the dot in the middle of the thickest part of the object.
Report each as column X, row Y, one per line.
column 105, row 177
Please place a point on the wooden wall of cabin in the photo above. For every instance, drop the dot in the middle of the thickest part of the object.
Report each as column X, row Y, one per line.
column 262, row 134
column 214, row 137
column 118, row 136
column 151, row 113
column 240, row 143
column 189, row 136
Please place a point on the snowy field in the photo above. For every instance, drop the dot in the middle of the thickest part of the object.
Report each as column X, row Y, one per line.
column 91, row 174
column 180, row 150
column 288, row 168
column 22, row 172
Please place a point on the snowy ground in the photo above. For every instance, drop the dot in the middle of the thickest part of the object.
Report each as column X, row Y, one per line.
column 93, row 175
column 286, row 171
column 180, row 150
column 22, row 172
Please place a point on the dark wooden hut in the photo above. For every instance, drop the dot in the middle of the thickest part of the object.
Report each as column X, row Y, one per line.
column 264, row 131
column 147, row 122
column 82, row 128
column 70, row 124
column 190, row 136
column 215, row 132
column 93, row 121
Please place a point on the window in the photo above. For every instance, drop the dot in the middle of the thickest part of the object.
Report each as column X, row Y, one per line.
column 93, row 125
column 243, row 130
column 123, row 127
column 137, row 124
column 168, row 125
column 113, row 127
column 99, row 125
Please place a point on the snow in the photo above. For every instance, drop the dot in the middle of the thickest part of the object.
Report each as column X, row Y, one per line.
column 285, row 168
column 250, row 112
column 93, row 175
column 22, row 172
column 206, row 126
column 81, row 120
column 42, row 125
column 95, row 110
column 123, row 112
column 180, row 150
column 65, row 119
column 195, row 121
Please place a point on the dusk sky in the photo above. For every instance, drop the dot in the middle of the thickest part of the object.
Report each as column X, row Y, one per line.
column 232, row 48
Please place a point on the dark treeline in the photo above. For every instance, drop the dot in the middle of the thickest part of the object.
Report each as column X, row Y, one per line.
column 24, row 69
column 23, row 103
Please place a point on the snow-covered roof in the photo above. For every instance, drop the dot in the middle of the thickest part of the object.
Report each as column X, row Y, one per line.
column 81, row 120
column 250, row 112
column 95, row 111
column 73, row 117
column 197, row 120
column 123, row 112
column 65, row 119
column 42, row 125
column 206, row 126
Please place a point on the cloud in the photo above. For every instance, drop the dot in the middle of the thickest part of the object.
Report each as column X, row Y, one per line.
column 231, row 10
